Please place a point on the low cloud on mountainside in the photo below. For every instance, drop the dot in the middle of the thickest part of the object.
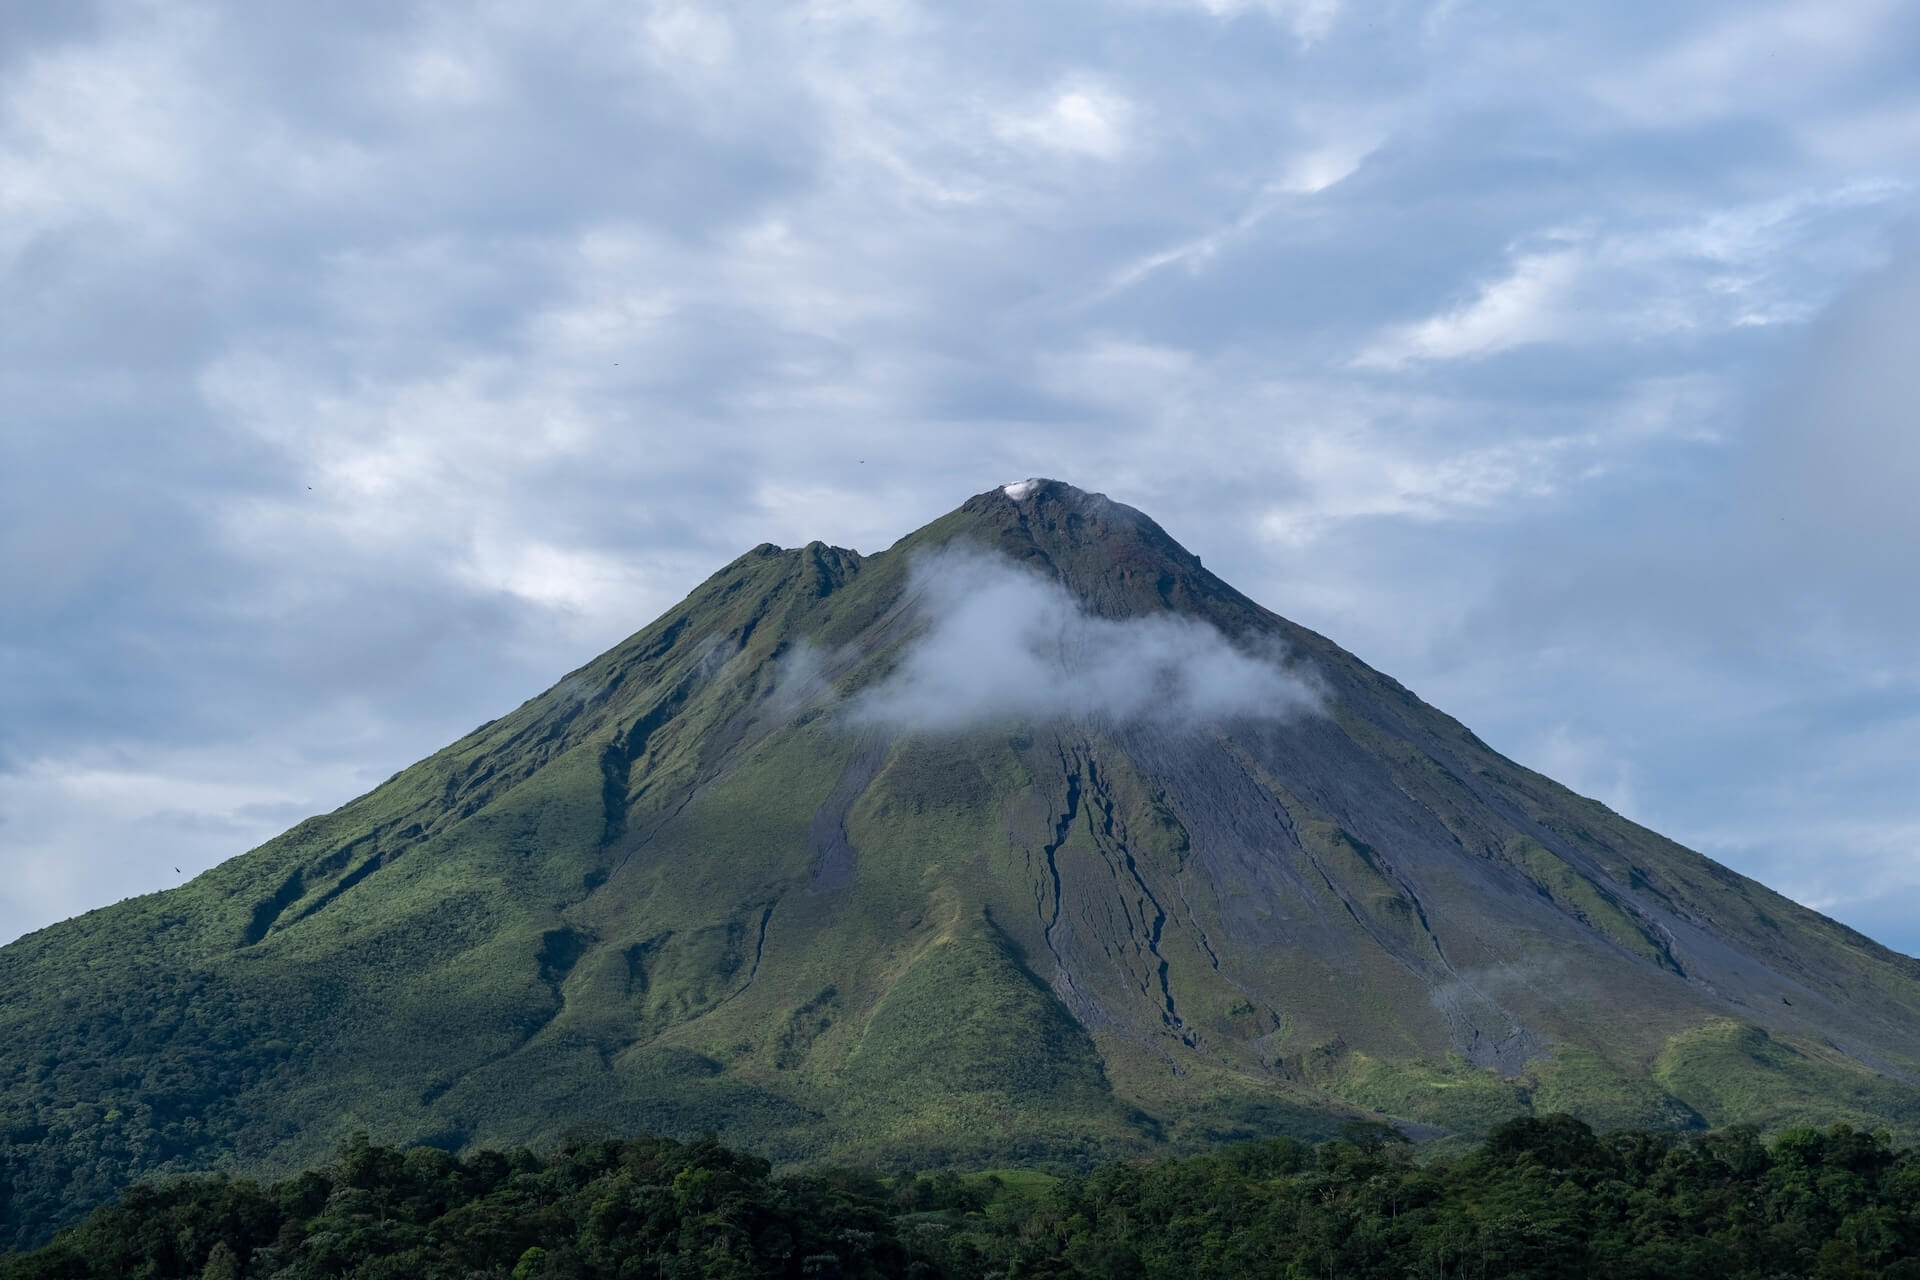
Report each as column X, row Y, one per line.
column 1001, row 642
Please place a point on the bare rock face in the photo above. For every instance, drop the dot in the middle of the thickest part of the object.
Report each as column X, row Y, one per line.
column 1027, row 838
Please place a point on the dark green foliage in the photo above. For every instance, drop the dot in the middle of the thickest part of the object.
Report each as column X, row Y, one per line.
column 649, row 1207
column 1542, row 1197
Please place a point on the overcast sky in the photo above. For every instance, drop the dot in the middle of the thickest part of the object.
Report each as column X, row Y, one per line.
column 365, row 366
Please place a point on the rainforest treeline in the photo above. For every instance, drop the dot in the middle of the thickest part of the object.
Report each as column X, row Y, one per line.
column 1541, row 1197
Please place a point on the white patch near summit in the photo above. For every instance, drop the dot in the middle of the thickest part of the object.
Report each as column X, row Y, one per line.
column 1019, row 489
column 1001, row 642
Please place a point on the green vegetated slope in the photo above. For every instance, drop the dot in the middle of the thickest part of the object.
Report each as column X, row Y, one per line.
column 1541, row 1198
column 689, row 889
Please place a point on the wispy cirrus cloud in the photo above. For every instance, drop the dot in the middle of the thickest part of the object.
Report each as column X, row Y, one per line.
column 1577, row 285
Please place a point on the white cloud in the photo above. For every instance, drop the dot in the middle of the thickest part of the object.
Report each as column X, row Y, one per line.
column 554, row 577
column 1350, row 476
column 1311, row 169
column 1315, row 168
column 1529, row 304
column 1002, row 643
column 1082, row 118
column 1725, row 269
column 1318, row 454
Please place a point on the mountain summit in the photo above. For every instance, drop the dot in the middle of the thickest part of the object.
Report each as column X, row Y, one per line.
column 1026, row 838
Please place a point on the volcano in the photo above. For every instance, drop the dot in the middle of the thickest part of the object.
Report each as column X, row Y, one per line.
column 1025, row 839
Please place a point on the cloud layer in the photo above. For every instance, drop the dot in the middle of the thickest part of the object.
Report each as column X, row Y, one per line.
column 1001, row 643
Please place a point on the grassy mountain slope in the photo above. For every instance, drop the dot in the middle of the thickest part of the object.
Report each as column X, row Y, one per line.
column 683, row 890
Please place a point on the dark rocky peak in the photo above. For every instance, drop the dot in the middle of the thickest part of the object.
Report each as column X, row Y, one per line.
column 1111, row 556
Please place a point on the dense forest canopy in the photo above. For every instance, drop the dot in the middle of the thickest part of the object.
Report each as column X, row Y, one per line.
column 1541, row 1197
